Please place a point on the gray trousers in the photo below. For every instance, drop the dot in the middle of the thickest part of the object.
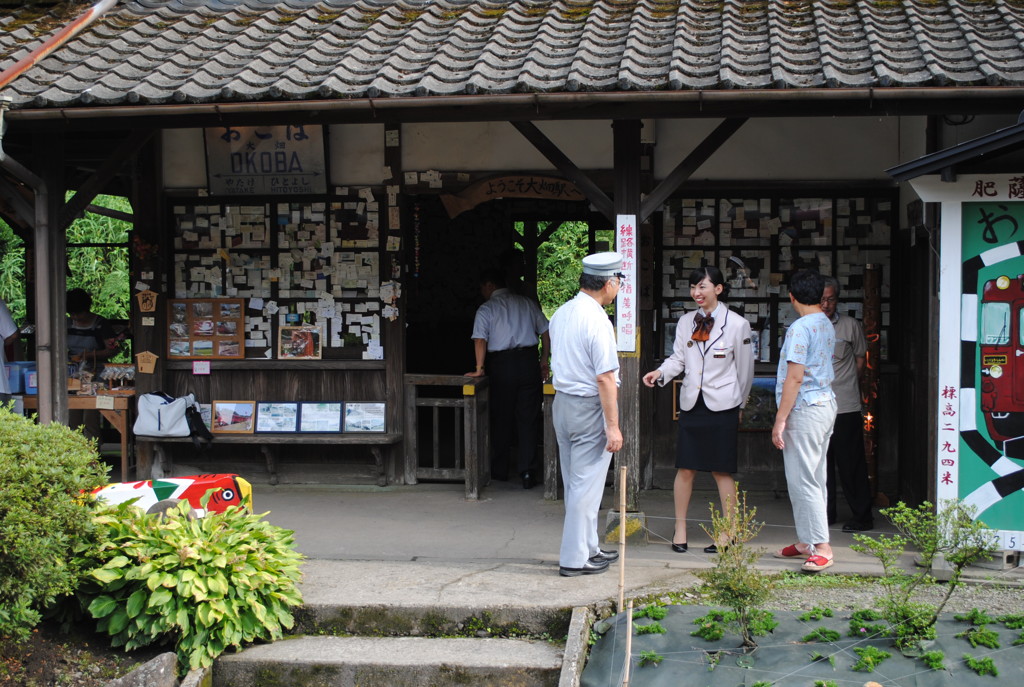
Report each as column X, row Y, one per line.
column 808, row 429
column 579, row 428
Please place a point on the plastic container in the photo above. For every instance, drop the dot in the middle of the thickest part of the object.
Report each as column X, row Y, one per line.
column 16, row 375
column 31, row 383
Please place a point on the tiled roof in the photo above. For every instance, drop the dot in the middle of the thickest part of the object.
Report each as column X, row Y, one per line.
column 215, row 51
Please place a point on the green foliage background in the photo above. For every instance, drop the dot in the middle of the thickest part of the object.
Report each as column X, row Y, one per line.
column 102, row 271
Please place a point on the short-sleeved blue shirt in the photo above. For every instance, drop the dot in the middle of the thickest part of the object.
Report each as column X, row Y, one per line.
column 810, row 342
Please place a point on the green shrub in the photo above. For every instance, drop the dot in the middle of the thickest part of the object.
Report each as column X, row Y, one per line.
column 974, row 617
column 206, row 584
column 982, row 666
column 934, row 660
column 650, row 657
column 816, row 613
column 43, row 471
column 654, row 628
column 870, row 658
column 652, row 611
column 1012, row 621
column 862, row 627
column 821, row 634
column 980, row 636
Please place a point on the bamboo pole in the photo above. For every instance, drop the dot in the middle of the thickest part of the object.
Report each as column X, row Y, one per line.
column 629, row 641
column 623, row 471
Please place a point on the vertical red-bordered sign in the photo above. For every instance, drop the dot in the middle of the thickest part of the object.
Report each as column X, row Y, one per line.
column 627, row 303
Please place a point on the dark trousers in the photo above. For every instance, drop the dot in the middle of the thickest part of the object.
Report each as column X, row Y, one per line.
column 516, row 395
column 846, row 457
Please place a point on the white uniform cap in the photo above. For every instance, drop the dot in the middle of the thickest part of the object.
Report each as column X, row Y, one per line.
column 603, row 264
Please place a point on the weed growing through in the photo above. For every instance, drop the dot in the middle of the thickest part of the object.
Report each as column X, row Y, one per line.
column 654, row 628
column 934, row 660
column 870, row 658
column 1012, row 621
column 817, row 657
column 974, row 617
column 825, row 683
column 821, row 634
column 816, row 613
column 652, row 611
column 980, row 636
column 982, row 666
column 650, row 658
column 863, row 627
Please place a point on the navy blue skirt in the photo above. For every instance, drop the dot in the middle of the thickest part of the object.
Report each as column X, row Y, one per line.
column 707, row 438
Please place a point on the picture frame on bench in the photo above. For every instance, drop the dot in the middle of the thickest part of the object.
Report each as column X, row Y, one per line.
column 366, row 417
column 277, row 417
column 234, row 417
column 320, row 417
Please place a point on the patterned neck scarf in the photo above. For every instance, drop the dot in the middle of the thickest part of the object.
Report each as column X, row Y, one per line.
column 702, row 325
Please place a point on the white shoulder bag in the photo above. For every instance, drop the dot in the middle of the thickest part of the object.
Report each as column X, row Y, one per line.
column 161, row 415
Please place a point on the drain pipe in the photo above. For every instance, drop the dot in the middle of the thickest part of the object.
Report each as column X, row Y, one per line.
column 55, row 41
column 48, row 411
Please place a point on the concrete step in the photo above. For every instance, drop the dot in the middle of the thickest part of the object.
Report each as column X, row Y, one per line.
column 392, row 662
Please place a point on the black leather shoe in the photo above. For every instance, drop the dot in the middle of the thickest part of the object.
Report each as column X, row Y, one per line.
column 591, row 567
column 602, row 555
column 714, row 549
column 854, row 526
column 527, row 480
column 679, row 548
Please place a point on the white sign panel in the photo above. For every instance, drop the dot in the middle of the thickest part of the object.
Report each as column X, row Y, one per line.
column 626, row 303
column 266, row 160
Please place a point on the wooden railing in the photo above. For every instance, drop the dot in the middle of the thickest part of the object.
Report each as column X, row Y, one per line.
column 459, row 445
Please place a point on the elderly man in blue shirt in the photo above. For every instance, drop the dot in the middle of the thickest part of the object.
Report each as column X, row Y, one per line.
column 805, row 418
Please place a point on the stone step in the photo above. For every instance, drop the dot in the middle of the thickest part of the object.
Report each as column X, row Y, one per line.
column 392, row 662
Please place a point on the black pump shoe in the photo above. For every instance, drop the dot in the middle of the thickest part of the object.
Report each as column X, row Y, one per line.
column 714, row 548
column 679, row 548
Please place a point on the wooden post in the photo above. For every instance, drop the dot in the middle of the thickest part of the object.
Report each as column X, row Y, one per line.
column 393, row 331
column 627, row 202
column 623, row 479
column 872, row 331
column 550, row 447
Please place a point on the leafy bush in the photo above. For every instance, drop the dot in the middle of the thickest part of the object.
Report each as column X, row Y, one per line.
column 980, row 636
column 43, row 469
column 949, row 531
column 982, row 666
column 207, row 584
column 735, row 581
column 934, row 660
column 821, row 634
column 816, row 613
column 648, row 657
column 652, row 611
column 654, row 628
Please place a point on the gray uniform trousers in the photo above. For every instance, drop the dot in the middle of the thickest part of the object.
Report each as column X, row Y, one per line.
column 579, row 428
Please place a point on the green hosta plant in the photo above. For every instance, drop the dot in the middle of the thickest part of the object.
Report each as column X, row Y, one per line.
column 208, row 584
column 43, row 471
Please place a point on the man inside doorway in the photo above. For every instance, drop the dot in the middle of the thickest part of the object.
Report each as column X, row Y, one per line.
column 846, row 449
column 505, row 333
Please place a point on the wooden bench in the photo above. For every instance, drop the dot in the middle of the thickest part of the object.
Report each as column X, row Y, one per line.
column 268, row 444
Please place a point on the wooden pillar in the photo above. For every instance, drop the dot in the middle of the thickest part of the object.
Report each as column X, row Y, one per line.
column 50, row 255
column 627, row 202
column 147, row 256
column 872, row 331
column 394, row 266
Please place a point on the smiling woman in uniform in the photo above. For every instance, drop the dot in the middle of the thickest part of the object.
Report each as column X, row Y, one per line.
column 713, row 350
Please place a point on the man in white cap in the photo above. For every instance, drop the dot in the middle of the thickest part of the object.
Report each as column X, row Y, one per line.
column 585, row 365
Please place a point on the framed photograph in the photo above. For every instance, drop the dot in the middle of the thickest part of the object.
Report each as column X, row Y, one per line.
column 320, row 417
column 365, row 417
column 206, row 328
column 277, row 417
column 304, row 342
column 234, row 417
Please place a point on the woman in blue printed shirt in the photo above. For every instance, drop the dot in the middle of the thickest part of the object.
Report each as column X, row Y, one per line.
column 806, row 415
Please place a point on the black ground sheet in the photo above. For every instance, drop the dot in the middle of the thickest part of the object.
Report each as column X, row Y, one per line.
column 783, row 659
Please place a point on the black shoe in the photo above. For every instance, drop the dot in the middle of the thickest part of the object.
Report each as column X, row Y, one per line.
column 854, row 526
column 602, row 555
column 591, row 567
column 679, row 548
column 527, row 480
column 714, row 549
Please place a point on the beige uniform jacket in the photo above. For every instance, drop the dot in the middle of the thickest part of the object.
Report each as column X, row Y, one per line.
column 721, row 367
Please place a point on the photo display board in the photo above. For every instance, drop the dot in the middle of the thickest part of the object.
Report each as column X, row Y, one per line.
column 312, row 266
column 757, row 240
column 206, row 328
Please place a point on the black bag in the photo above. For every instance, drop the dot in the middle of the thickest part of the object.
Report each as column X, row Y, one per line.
column 198, row 431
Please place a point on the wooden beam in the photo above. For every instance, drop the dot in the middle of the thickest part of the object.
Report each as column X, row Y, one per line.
column 548, row 149
column 98, row 181
column 107, row 212
column 21, row 211
column 678, row 176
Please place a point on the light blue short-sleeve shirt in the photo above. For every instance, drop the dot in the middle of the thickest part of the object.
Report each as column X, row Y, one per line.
column 810, row 342
column 582, row 346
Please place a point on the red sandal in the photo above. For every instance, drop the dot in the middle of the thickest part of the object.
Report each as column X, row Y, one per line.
column 816, row 563
column 789, row 552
